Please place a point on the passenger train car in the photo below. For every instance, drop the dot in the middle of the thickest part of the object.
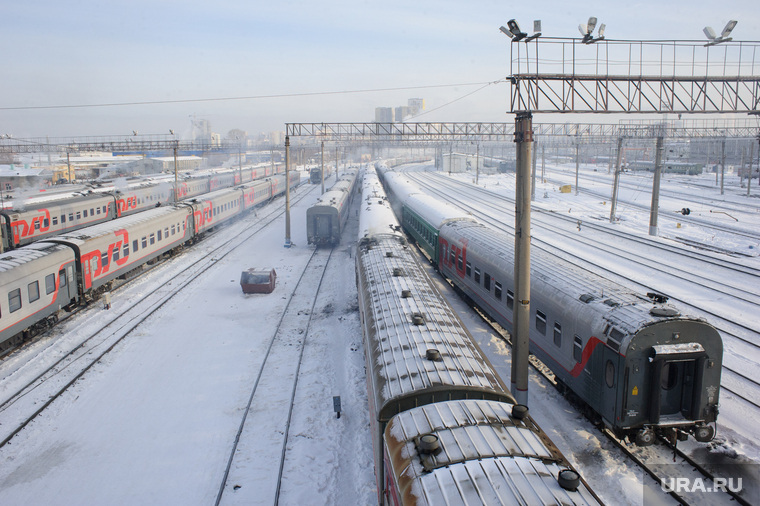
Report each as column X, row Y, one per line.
column 445, row 429
column 315, row 174
column 639, row 363
column 37, row 281
column 326, row 219
column 39, row 219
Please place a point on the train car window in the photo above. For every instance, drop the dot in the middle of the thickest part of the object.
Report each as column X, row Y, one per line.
column 134, row 245
column 541, row 322
column 55, row 220
column 557, row 334
column 14, row 300
column 152, row 239
column 49, row 284
column 46, row 223
column 453, row 256
column 105, row 209
column 63, row 218
column 166, row 232
column 510, row 299
column 460, row 261
column 173, row 229
column 487, row 281
column 104, row 259
column 62, row 278
column 126, row 250
column 34, row 291
column 468, row 270
column 669, row 376
column 92, row 212
column 144, row 242
column 84, row 213
column 115, row 255
column 37, row 226
column 609, row 374
column 477, row 275
column 577, row 349
column 159, row 235
column 71, row 216
column 79, row 215
column 497, row 290
column 98, row 210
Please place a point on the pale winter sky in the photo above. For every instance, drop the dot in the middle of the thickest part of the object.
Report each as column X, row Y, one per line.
column 187, row 52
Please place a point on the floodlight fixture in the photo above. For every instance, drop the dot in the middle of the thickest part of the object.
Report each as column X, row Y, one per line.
column 724, row 35
column 587, row 29
column 514, row 28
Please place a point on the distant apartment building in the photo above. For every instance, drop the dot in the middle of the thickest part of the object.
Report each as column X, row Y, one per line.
column 416, row 106
column 383, row 115
column 402, row 112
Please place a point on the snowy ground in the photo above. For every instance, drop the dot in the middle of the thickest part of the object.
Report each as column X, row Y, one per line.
column 153, row 423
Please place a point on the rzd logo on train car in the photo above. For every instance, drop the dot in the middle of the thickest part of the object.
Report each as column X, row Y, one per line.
column 203, row 217
column 123, row 205
column 27, row 228
column 182, row 191
column 453, row 256
column 97, row 263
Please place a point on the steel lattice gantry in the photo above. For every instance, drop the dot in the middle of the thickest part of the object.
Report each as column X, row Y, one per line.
column 564, row 75
column 453, row 132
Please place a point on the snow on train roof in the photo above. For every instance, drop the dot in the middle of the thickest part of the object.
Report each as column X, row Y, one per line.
column 479, row 439
column 402, row 329
column 110, row 226
column 435, row 211
column 375, row 214
column 15, row 258
column 626, row 309
column 400, row 185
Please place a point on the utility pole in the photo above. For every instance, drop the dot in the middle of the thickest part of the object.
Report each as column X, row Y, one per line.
column 323, row 167
column 176, row 182
column 616, row 182
column 521, row 335
column 543, row 162
column 288, row 244
column 577, row 161
column 533, row 176
column 68, row 164
column 656, row 187
column 477, row 163
column 722, row 164
column 751, row 157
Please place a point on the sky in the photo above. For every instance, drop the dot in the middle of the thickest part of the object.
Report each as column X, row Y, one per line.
column 288, row 61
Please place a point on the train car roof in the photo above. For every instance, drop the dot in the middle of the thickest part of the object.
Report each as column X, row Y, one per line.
column 375, row 215
column 109, row 227
column 435, row 211
column 478, row 454
column 419, row 350
column 14, row 259
column 594, row 295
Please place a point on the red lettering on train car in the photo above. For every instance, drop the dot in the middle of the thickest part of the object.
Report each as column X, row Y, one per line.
column 460, row 266
column 182, row 191
column 95, row 264
column 24, row 228
column 204, row 216
column 123, row 205
column 443, row 251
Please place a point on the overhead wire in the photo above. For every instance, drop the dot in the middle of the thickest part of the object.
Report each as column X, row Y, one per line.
column 251, row 97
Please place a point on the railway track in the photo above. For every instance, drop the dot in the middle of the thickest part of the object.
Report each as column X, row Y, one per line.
column 57, row 366
column 264, row 429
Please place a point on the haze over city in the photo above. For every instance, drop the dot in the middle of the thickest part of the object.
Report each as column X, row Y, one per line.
column 97, row 68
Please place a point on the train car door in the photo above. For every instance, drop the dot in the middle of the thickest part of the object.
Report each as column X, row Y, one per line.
column 323, row 226
column 676, row 378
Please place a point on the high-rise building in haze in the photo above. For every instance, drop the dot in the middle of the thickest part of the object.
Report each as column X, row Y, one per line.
column 383, row 115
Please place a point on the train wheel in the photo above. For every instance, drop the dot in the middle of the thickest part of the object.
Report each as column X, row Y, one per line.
column 645, row 437
column 704, row 433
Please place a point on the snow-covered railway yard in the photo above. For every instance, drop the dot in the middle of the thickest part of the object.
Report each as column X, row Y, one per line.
column 155, row 420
